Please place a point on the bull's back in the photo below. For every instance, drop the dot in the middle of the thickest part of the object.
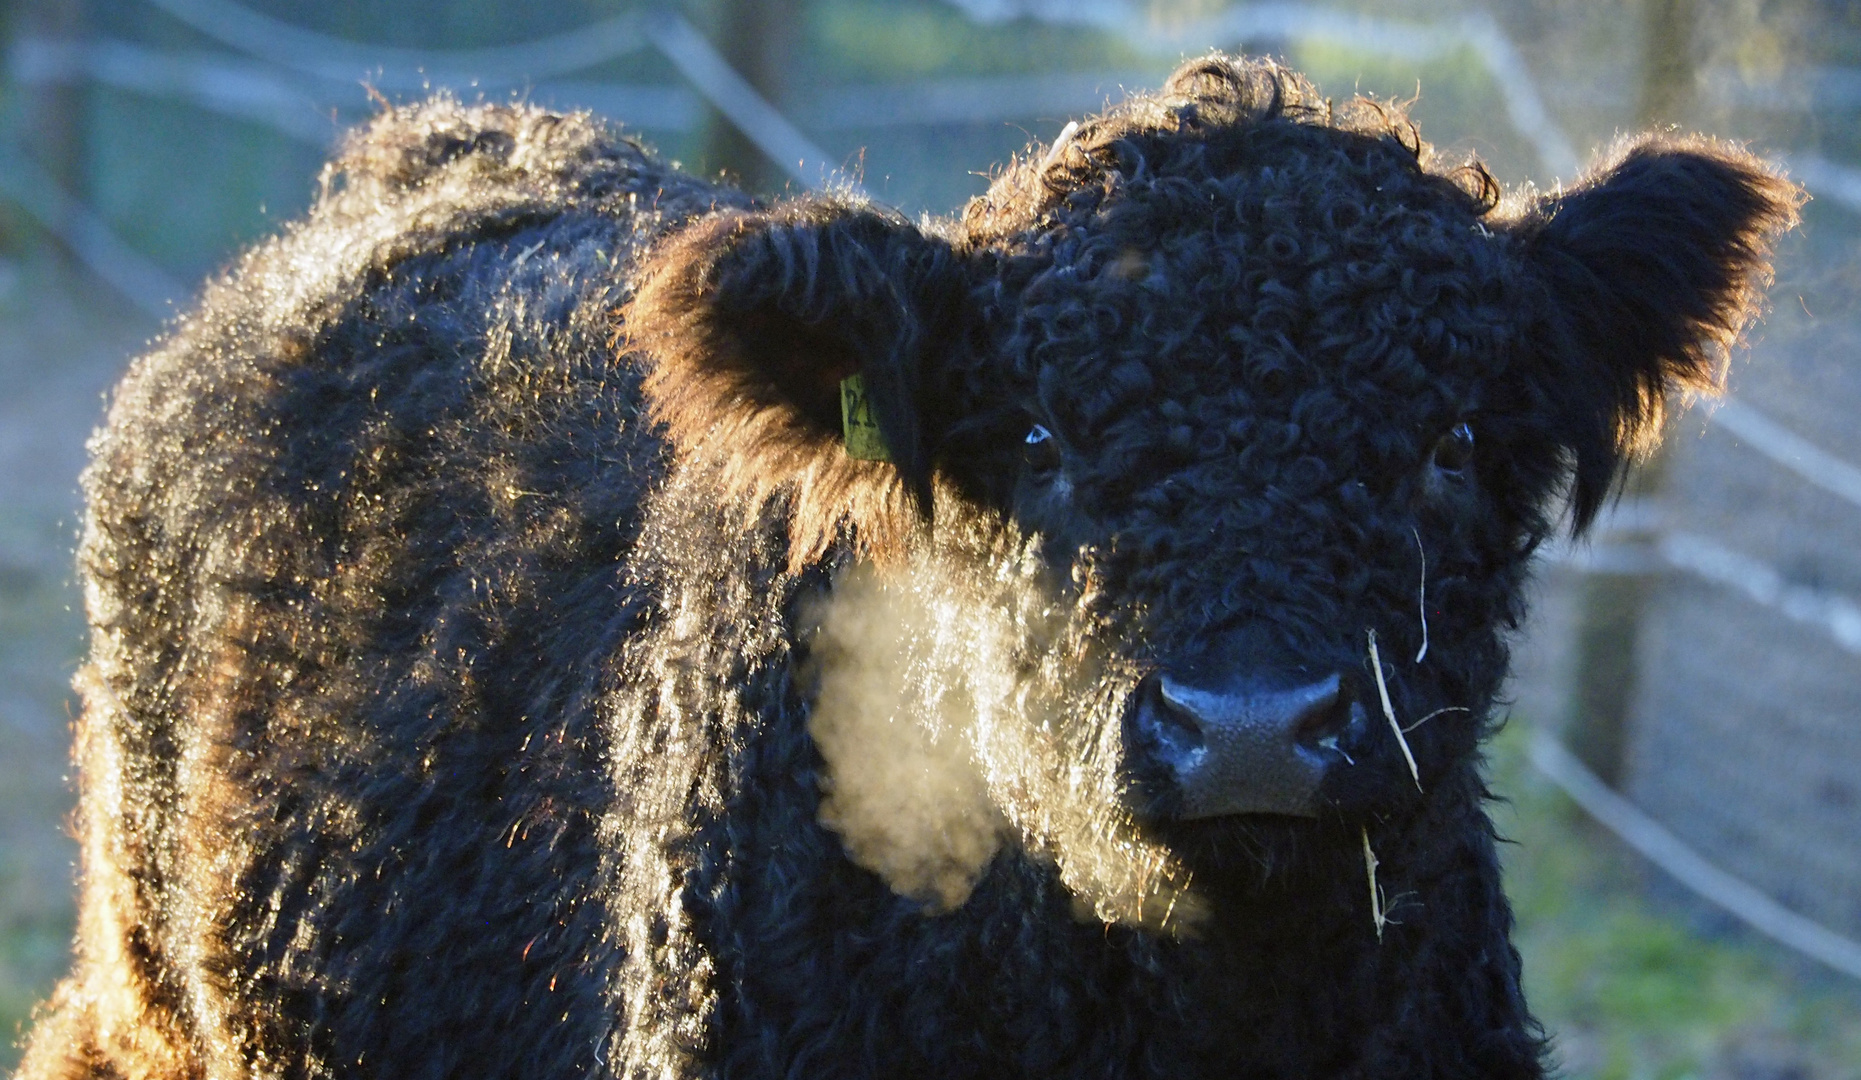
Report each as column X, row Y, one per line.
column 356, row 560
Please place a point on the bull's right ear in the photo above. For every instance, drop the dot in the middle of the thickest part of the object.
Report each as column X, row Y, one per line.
column 750, row 322
column 1651, row 266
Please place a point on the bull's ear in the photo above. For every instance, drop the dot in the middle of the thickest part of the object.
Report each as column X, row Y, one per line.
column 749, row 324
column 1651, row 267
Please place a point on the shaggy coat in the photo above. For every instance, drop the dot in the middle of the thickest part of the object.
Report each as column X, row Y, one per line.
column 501, row 668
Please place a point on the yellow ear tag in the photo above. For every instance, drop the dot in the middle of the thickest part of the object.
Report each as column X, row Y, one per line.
column 864, row 440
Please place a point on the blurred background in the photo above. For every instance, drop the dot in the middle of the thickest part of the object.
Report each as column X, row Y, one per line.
column 1683, row 766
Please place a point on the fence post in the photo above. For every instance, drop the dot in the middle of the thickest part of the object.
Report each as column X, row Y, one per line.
column 757, row 38
column 1614, row 598
column 53, row 113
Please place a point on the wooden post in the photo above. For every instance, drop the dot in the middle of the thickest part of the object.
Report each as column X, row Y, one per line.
column 758, row 38
column 1667, row 62
column 1614, row 599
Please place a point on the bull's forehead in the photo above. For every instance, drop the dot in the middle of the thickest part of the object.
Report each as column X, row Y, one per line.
column 1288, row 313
column 1248, row 368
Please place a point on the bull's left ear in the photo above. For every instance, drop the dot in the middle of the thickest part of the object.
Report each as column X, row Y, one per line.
column 1651, row 267
column 750, row 322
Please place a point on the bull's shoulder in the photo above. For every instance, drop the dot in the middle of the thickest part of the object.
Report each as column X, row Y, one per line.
column 404, row 417
column 455, row 282
column 481, row 147
column 439, row 173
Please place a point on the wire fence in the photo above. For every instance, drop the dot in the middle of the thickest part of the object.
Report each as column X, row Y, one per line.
column 305, row 85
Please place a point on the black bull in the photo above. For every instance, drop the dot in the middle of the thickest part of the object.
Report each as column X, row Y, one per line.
column 501, row 666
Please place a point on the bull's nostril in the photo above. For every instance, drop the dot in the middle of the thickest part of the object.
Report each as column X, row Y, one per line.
column 1171, row 724
column 1241, row 748
column 1327, row 715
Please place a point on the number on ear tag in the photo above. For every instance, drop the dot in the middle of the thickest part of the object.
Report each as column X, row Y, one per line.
column 864, row 440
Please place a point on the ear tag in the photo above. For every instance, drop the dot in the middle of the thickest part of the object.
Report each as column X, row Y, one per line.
column 864, row 440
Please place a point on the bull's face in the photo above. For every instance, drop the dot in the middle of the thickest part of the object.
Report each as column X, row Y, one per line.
column 1218, row 436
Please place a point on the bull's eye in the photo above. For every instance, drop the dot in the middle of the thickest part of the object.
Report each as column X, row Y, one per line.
column 1453, row 452
column 1041, row 451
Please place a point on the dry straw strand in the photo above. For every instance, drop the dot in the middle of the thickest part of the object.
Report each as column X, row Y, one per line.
column 1422, row 596
column 1432, row 715
column 1389, row 711
column 1377, row 914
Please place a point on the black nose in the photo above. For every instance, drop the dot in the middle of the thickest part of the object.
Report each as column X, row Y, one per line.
column 1247, row 749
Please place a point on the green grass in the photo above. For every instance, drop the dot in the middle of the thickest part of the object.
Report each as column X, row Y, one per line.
column 34, row 951
column 38, row 639
column 61, row 341
column 1629, row 989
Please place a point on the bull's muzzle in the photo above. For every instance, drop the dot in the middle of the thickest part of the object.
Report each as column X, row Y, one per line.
column 1248, row 748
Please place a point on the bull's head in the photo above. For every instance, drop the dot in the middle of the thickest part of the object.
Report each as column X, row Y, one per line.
column 1218, row 438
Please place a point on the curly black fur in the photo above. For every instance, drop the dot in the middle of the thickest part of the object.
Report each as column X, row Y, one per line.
column 456, row 567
